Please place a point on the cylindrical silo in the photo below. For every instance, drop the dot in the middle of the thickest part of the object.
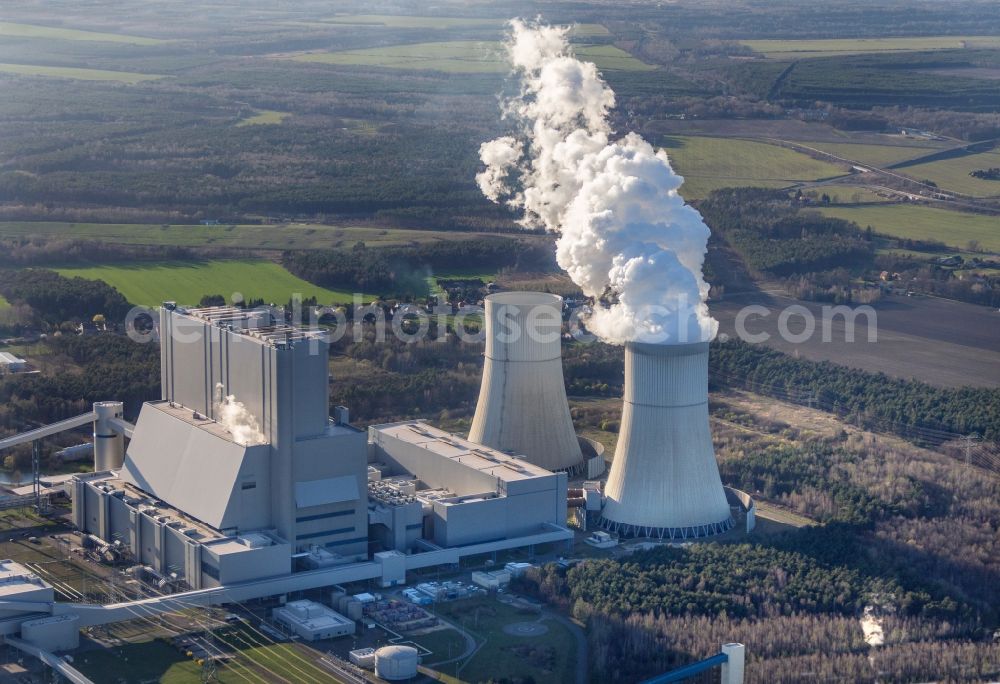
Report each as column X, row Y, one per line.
column 522, row 406
column 395, row 663
column 664, row 481
column 109, row 444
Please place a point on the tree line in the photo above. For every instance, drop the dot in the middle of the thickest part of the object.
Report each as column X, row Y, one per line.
column 403, row 270
column 774, row 235
column 869, row 399
column 56, row 299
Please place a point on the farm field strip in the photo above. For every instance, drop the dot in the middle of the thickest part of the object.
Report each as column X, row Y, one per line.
column 797, row 49
column 403, row 21
column 397, row 21
column 16, row 30
column 850, row 194
column 953, row 174
column 953, row 228
column 459, row 56
column 253, row 236
column 875, row 155
column 150, row 284
column 708, row 163
column 129, row 77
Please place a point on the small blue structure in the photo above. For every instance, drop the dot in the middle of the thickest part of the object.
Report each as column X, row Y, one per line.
column 731, row 660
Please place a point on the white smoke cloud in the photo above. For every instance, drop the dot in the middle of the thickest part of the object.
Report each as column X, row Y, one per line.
column 235, row 417
column 623, row 229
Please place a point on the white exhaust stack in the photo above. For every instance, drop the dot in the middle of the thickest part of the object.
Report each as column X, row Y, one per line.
column 664, row 481
column 522, row 406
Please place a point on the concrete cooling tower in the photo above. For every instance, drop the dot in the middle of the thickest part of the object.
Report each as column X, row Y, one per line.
column 522, row 405
column 664, row 481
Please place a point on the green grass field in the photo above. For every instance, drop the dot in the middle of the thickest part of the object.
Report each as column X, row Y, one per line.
column 925, row 223
column 443, row 644
column 153, row 661
column 711, row 163
column 129, row 77
column 264, row 117
column 434, row 289
column 277, row 237
column 4, row 304
column 953, row 174
column 15, row 30
column 152, row 283
column 504, row 655
column 158, row 661
column 848, row 194
column 803, row 49
column 460, row 56
column 876, row 155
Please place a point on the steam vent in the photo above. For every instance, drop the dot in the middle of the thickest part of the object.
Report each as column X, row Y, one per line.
column 522, row 406
column 664, row 481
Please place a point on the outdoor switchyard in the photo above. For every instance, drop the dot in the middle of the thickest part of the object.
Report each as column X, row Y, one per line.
column 237, row 484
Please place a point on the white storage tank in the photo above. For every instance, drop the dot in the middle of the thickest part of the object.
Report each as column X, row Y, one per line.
column 395, row 663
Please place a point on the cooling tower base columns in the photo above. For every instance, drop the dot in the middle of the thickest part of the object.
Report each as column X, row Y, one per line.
column 664, row 481
column 625, row 530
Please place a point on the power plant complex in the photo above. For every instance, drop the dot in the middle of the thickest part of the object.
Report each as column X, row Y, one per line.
column 238, row 484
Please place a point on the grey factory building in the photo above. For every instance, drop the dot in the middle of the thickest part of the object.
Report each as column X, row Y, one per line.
column 238, row 474
column 456, row 492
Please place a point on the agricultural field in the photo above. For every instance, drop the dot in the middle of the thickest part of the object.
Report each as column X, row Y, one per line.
column 405, row 22
column 15, row 30
column 264, row 117
column 953, row 174
column 711, row 163
column 875, row 155
column 398, row 21
column 187, row 282
column 887, row 78
column 129, row 77
column 275, row 237
column 804, row 49
column 938, row 341
column 460, row 57
column 953, row 228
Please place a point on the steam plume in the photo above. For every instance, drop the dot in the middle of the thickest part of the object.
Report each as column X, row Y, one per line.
column 624, row 232
column 235, row 417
